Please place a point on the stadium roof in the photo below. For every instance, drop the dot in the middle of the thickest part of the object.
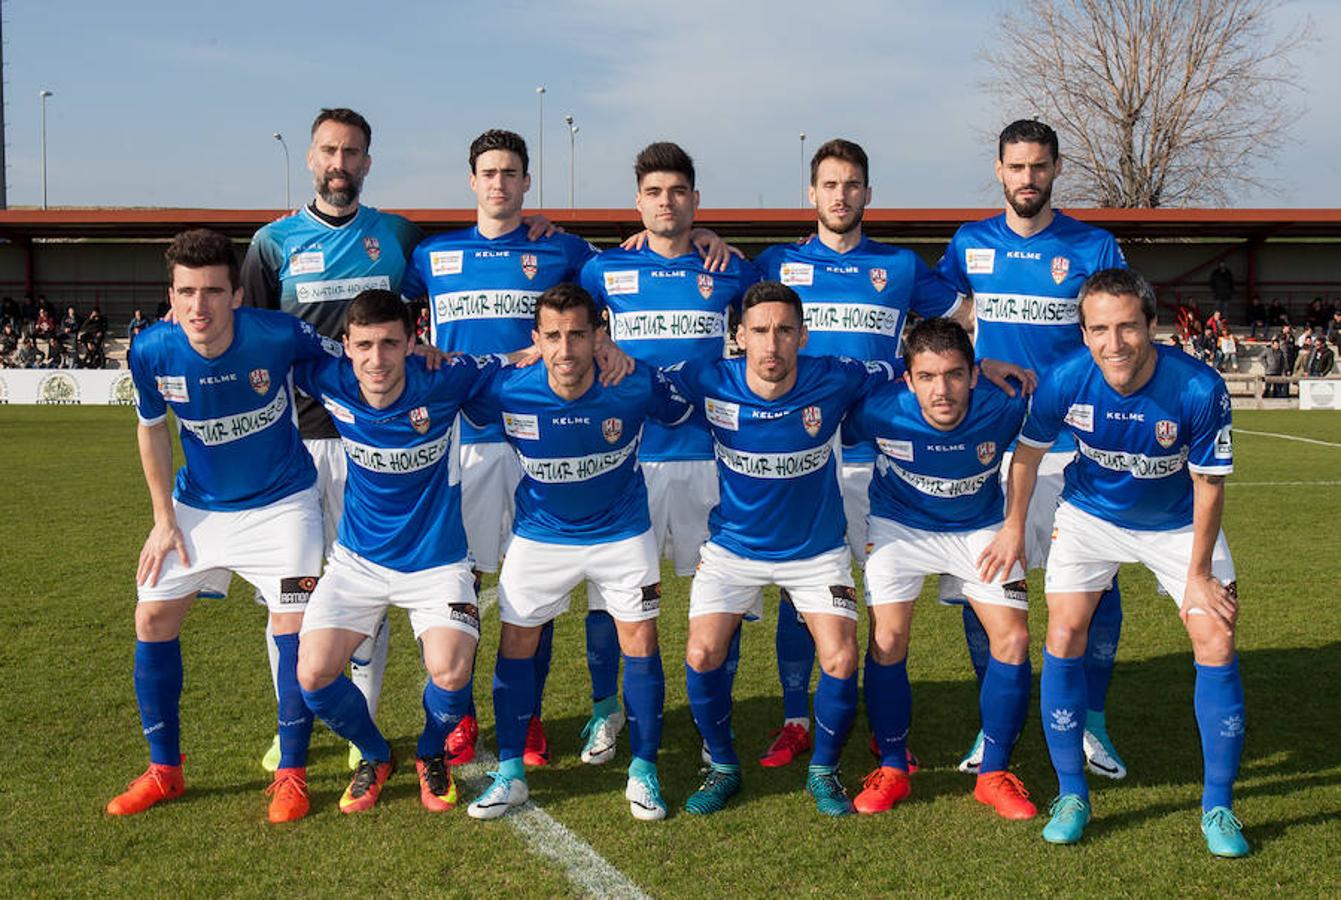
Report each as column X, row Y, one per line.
column 931, row 224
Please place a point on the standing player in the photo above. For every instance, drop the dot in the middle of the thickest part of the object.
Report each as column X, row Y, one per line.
column 401, row 541
column 245, row 501
column 312, row 263
column 935, row 505
column 664, row 306
column 1152, row 428
column 581, row 515
column 1024, row 269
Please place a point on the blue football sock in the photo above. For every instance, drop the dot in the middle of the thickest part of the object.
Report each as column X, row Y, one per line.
column 1003, row 702
column 514, row 695
column 602, row 654
column 1101, row 649
column 796, row 660
column 345, row 711
column 889, row 707
column 1062, row 703
column 710, row 702
column 543, row 651
column 158, row 691
column 1218, row 700
column 733, row 658
column 644, row 699
column 295, row 719
column 835, row 708
column 979, row 646
column 443, row 711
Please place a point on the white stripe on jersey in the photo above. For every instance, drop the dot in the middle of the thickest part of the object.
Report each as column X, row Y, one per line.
column 225, row 430
column 673, row 324
column 339, row 289
column 1029, row 309
column 860, row 317
column 774, row 465
column 484, row 304
column 398, row 460
column 939, row 487
column 1137, row 464
column 560, row 469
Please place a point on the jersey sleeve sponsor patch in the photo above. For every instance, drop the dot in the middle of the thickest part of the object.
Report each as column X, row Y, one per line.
column 979, row 260
column 445, row 262
column 521, row 426
column 722, row 414
column 1080, row 416
column 794, row 274
column 172, row 388
column 624, row 281
column 1224, row 443
column 310, row 262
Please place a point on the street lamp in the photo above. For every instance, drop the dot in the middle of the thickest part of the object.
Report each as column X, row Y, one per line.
column 42, row 96
column 279, row 137
column 540, row 92
column 804, row 179
column 572, row 157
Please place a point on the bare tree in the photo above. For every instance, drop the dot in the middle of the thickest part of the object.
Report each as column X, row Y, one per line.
column 1157, row 102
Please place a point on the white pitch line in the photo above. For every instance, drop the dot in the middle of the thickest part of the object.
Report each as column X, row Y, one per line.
column 585, row 869
column 1287, row 437
column 1282, row 483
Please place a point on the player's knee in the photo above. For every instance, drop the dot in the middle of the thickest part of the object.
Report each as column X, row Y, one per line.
column 1011, row 645
column 639, row 638
column 1212, row 647
column 312, row 675
column 156, row 621
column 839, row 662
column 702, row 656
column 888, row 645
column 1066, row 639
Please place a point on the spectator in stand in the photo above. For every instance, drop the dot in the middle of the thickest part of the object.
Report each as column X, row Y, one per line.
column 9, row 312
column 9, row 342
column 29, row 357
column 1289, row 345
column 44, row 304
column 1226, row 352
column 91, row 355
column 1334, row 328
column 1317, row 361
column 70, row 324
column 45, row 326
column 1257, row 318
column 1273, row 363
column 1222, row 287
column 95, row 324
column 1204, row 345
column 1217, row 323
column 27, row 312
column 1317, row 316
column 421, row 328
column 1276, row 314
column 57, row 356
column 137, row 324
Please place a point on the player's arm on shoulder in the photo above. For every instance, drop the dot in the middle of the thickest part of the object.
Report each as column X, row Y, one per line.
column 666, row 403
column 482, row 406
column 165, row 537
column 614, row 363
column 1007, row 547
column 1204, row 592
column 1002, row 373
column 537, row 227
column 716, row 252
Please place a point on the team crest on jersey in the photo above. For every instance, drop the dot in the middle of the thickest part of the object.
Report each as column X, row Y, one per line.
column 529, row 265
column 372, row 247
column 812, row 418
column 260, row 381
column 1166, row 432
column 611, row 429
column 419, row 419
column 986, row 452
column 705, row 285
column 879, row 278
column 1060, row 266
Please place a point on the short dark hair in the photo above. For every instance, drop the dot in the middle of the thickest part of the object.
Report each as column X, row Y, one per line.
column 938, row 335
column 201, row 247
column 1027, row 131
column 772, row 292
column 843, row 150
column 563, row 297
column 663, row 156
column 498, row 139
column 376, row 307
column 344, row 116
column 1119, row 282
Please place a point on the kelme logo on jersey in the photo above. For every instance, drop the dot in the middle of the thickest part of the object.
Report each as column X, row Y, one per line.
column 611, row 429
column 879, row 278
column 1060, row 266
column 259, row 379
column 529, row 265
column 1166, row 432
column 372, row 247
column 986, row 452
column 705, row 285
column 419, row 419
column 812, row 418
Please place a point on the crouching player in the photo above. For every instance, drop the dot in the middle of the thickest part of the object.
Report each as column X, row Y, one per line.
column 936, row 504
column 401, row 541
column 581, row 514
column 1152, row 429
column 245, row 501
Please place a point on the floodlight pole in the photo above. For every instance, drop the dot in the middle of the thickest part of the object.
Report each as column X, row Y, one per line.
column 288, row 204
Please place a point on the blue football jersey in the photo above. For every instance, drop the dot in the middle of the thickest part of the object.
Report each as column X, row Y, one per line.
column 403, row 488
column 235, row 412
column 1024, row 290
column 775, row 465
column 581, row 482
column 664, row 311
column 481, row 291
column 1134, row 453
column 937, row 480
column 856, row 303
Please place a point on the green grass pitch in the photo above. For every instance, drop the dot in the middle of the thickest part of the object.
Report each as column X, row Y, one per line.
column 73, row 515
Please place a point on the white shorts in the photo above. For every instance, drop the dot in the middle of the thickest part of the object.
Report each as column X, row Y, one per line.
column 680, row 494
column 1086, row 552
column 727, row 583
column 902, row 557
column 328, row 455
column 489, row 476
column 855, row 481
column 354, row 594
column 277, row 548
column 537, row 578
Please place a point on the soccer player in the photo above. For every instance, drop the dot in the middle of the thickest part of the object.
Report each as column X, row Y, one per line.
column 581, row 515
column 936, row 503
column 312, row 263
column 1023, row 269
column 245, row 501
column 401, row 540
column 1152, row 428
column 665, row 305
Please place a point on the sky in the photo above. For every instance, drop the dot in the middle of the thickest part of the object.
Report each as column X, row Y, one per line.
column 175, row 103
